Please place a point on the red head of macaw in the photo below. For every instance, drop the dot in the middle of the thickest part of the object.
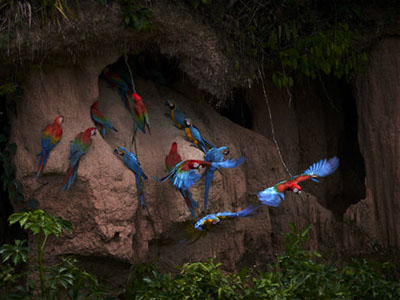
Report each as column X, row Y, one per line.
column 79, row 147
column 273, row 195
column 100, row 120
column 51, row 136
column 140, row 114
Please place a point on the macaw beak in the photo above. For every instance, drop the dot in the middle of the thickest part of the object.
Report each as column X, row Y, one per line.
column 119, row 152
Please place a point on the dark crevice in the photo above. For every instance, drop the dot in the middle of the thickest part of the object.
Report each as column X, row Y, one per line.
column 237, row 109
column 7, row 233
column 150, row 64
column 352, row 166
column 341, row 128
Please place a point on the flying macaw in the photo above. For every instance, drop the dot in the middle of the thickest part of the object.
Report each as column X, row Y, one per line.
column 140, row 114
column 131, row 162
column 194, row 135
column 184, row 174
column 116, row 81
column 202, row 226
column 51, row 136
column 80, row 146
column 100, row 120
column 176, row 115
column 273, row 195
column 213, row 155
column 171, row 160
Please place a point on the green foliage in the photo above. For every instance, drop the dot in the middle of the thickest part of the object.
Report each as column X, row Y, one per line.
column 329, row 52
column 297, row 274
column 308, row 37
column 200, row 280
column 136, row 17
column 40, row 222
column 61, row 281
column 16, row 253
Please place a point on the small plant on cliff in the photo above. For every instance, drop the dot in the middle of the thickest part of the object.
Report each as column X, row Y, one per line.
column 136, row 17
column 63, row 280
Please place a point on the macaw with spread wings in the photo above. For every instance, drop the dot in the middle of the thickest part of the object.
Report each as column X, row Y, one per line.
column 273, row 195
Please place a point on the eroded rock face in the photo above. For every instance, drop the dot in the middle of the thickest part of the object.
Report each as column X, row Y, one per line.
column 378, row 106
column 109, row 224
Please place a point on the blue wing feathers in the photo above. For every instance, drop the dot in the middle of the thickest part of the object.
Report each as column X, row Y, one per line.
column 271, row 197
column 323, row 167
column 230, row 163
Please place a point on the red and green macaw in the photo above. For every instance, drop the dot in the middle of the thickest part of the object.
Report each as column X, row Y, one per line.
column 273, row 195
column 100, row 120
column 194, row 135
column 171, row 160
column 51, row 136
column 116, row 81
column 140, row 114
column 176, row 115
column 80, row 146
column 202, row 226
column 132, row 164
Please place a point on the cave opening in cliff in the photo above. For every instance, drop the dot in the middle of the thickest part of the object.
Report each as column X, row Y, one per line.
column 236, row 109
column 149, row 64
column 352, row 165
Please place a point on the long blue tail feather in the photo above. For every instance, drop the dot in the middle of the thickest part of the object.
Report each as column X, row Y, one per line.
column 249, row 211
column 207, row 180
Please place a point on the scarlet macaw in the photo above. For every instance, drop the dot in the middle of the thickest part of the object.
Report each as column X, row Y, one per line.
column 131, row 162
column 194, row 135
column 202, row 226
column 213, row 155
column 100, row 120
column 116, row 81
column 273, row 195
column 80, row 146
column 176, row 115
column 51, row 136
column 171, row 160
column 140, row 114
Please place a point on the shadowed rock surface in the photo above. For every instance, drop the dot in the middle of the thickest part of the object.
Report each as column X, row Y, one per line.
column 353, row 212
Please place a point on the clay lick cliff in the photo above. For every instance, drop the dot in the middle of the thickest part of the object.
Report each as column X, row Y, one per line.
column 355, row 208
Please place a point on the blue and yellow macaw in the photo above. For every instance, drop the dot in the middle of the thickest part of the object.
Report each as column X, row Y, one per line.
column 176, row 115
column 273, row 195
column 214, row 155
column 194, row 135
column 80, row 146
column 51, row 136
column 131, row 162
column 202, row 226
